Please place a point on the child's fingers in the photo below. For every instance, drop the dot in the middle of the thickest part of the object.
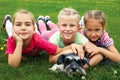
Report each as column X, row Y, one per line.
column 73, row 47
column 80, row 52
column 81, row 55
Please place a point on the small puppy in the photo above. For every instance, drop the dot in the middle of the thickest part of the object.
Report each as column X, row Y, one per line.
column 71, row 64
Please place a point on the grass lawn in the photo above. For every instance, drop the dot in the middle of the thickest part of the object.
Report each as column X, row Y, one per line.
column 37, row 68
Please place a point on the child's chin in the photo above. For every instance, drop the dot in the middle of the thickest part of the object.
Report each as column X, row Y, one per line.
column 93, row 40
column 68, row 38
column 24, row 38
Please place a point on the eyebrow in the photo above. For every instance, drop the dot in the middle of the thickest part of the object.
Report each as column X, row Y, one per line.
column 21, row 22
column 17, row 22
column 27, row 22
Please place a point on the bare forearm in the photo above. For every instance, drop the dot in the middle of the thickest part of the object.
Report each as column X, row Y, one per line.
column 53, row 58
column 114, row 56
column 59, row 50
column 15, row 58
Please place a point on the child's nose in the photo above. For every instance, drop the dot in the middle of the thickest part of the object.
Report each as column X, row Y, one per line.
column 68, row 28
column 23, row 27
column 93, row 34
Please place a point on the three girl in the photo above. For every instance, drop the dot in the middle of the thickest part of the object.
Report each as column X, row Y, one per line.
column 24, row 41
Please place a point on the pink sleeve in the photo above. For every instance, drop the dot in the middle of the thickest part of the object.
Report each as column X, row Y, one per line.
column 10, row 46
column 45, row 45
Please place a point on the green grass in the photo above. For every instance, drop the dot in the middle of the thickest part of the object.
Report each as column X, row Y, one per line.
column 37, row 68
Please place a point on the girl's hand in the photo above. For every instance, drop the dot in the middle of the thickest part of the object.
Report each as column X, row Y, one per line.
column 78, row 49
column 15, row 36
column 92, row 50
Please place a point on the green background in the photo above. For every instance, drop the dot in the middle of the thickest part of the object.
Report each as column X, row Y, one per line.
column 37, row 68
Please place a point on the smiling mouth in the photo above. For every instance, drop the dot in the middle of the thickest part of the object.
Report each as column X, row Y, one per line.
column 23, row 33
column 93, row 39
column 67, row 33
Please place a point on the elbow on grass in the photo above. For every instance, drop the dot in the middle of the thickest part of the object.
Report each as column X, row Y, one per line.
column 118, row 60
column 11, row 63
column 51, row 59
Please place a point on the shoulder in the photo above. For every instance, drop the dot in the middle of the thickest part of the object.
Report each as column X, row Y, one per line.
column 55, row 35
column 105, row 36
column 36, row 36
column 10, row 46
column 79, row 35
column 106, row 39
column 81, row 38
column 56, row 38
column 10, row 39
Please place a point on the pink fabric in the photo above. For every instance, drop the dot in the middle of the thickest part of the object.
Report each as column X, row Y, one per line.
column 36, row 44
column 106, row 40
column 46, row 34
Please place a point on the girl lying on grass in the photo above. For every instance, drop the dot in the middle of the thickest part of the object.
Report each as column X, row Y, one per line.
column 94, row 22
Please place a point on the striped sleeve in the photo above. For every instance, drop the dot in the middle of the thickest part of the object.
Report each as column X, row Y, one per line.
column 106, row 40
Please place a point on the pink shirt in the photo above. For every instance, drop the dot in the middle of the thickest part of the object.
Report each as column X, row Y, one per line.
column 37, row 43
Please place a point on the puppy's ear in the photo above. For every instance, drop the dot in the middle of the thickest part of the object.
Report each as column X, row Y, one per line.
column 86, row 61
column 80, row 62
column 61, row 59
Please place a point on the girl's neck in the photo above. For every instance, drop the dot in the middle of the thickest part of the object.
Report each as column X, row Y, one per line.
column 68, row 42
column 26, row 43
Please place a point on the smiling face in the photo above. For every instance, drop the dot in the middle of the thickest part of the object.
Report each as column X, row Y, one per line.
column 68, row 26
column 94, row 29
column 23, row 26
column 94, row 24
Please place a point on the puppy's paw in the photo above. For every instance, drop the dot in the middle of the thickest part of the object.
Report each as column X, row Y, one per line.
column 53, row 68
column 56, row 68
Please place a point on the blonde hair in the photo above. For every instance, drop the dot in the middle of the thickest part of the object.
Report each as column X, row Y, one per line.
column 95, row 14
column 69, row 12
column 25, row 12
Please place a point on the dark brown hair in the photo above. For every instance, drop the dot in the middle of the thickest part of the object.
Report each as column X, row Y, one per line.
column 96, row 14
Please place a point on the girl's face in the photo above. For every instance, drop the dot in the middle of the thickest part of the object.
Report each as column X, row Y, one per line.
column 68, row 27
column 23, row 26
column 94, row 29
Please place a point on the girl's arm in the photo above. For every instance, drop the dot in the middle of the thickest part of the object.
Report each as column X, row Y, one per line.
column 76, row 48
column 15, row 58
column 111, row 53
column 53, row 58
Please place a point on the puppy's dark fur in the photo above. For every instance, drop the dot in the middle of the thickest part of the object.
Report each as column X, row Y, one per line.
column 72, row 63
